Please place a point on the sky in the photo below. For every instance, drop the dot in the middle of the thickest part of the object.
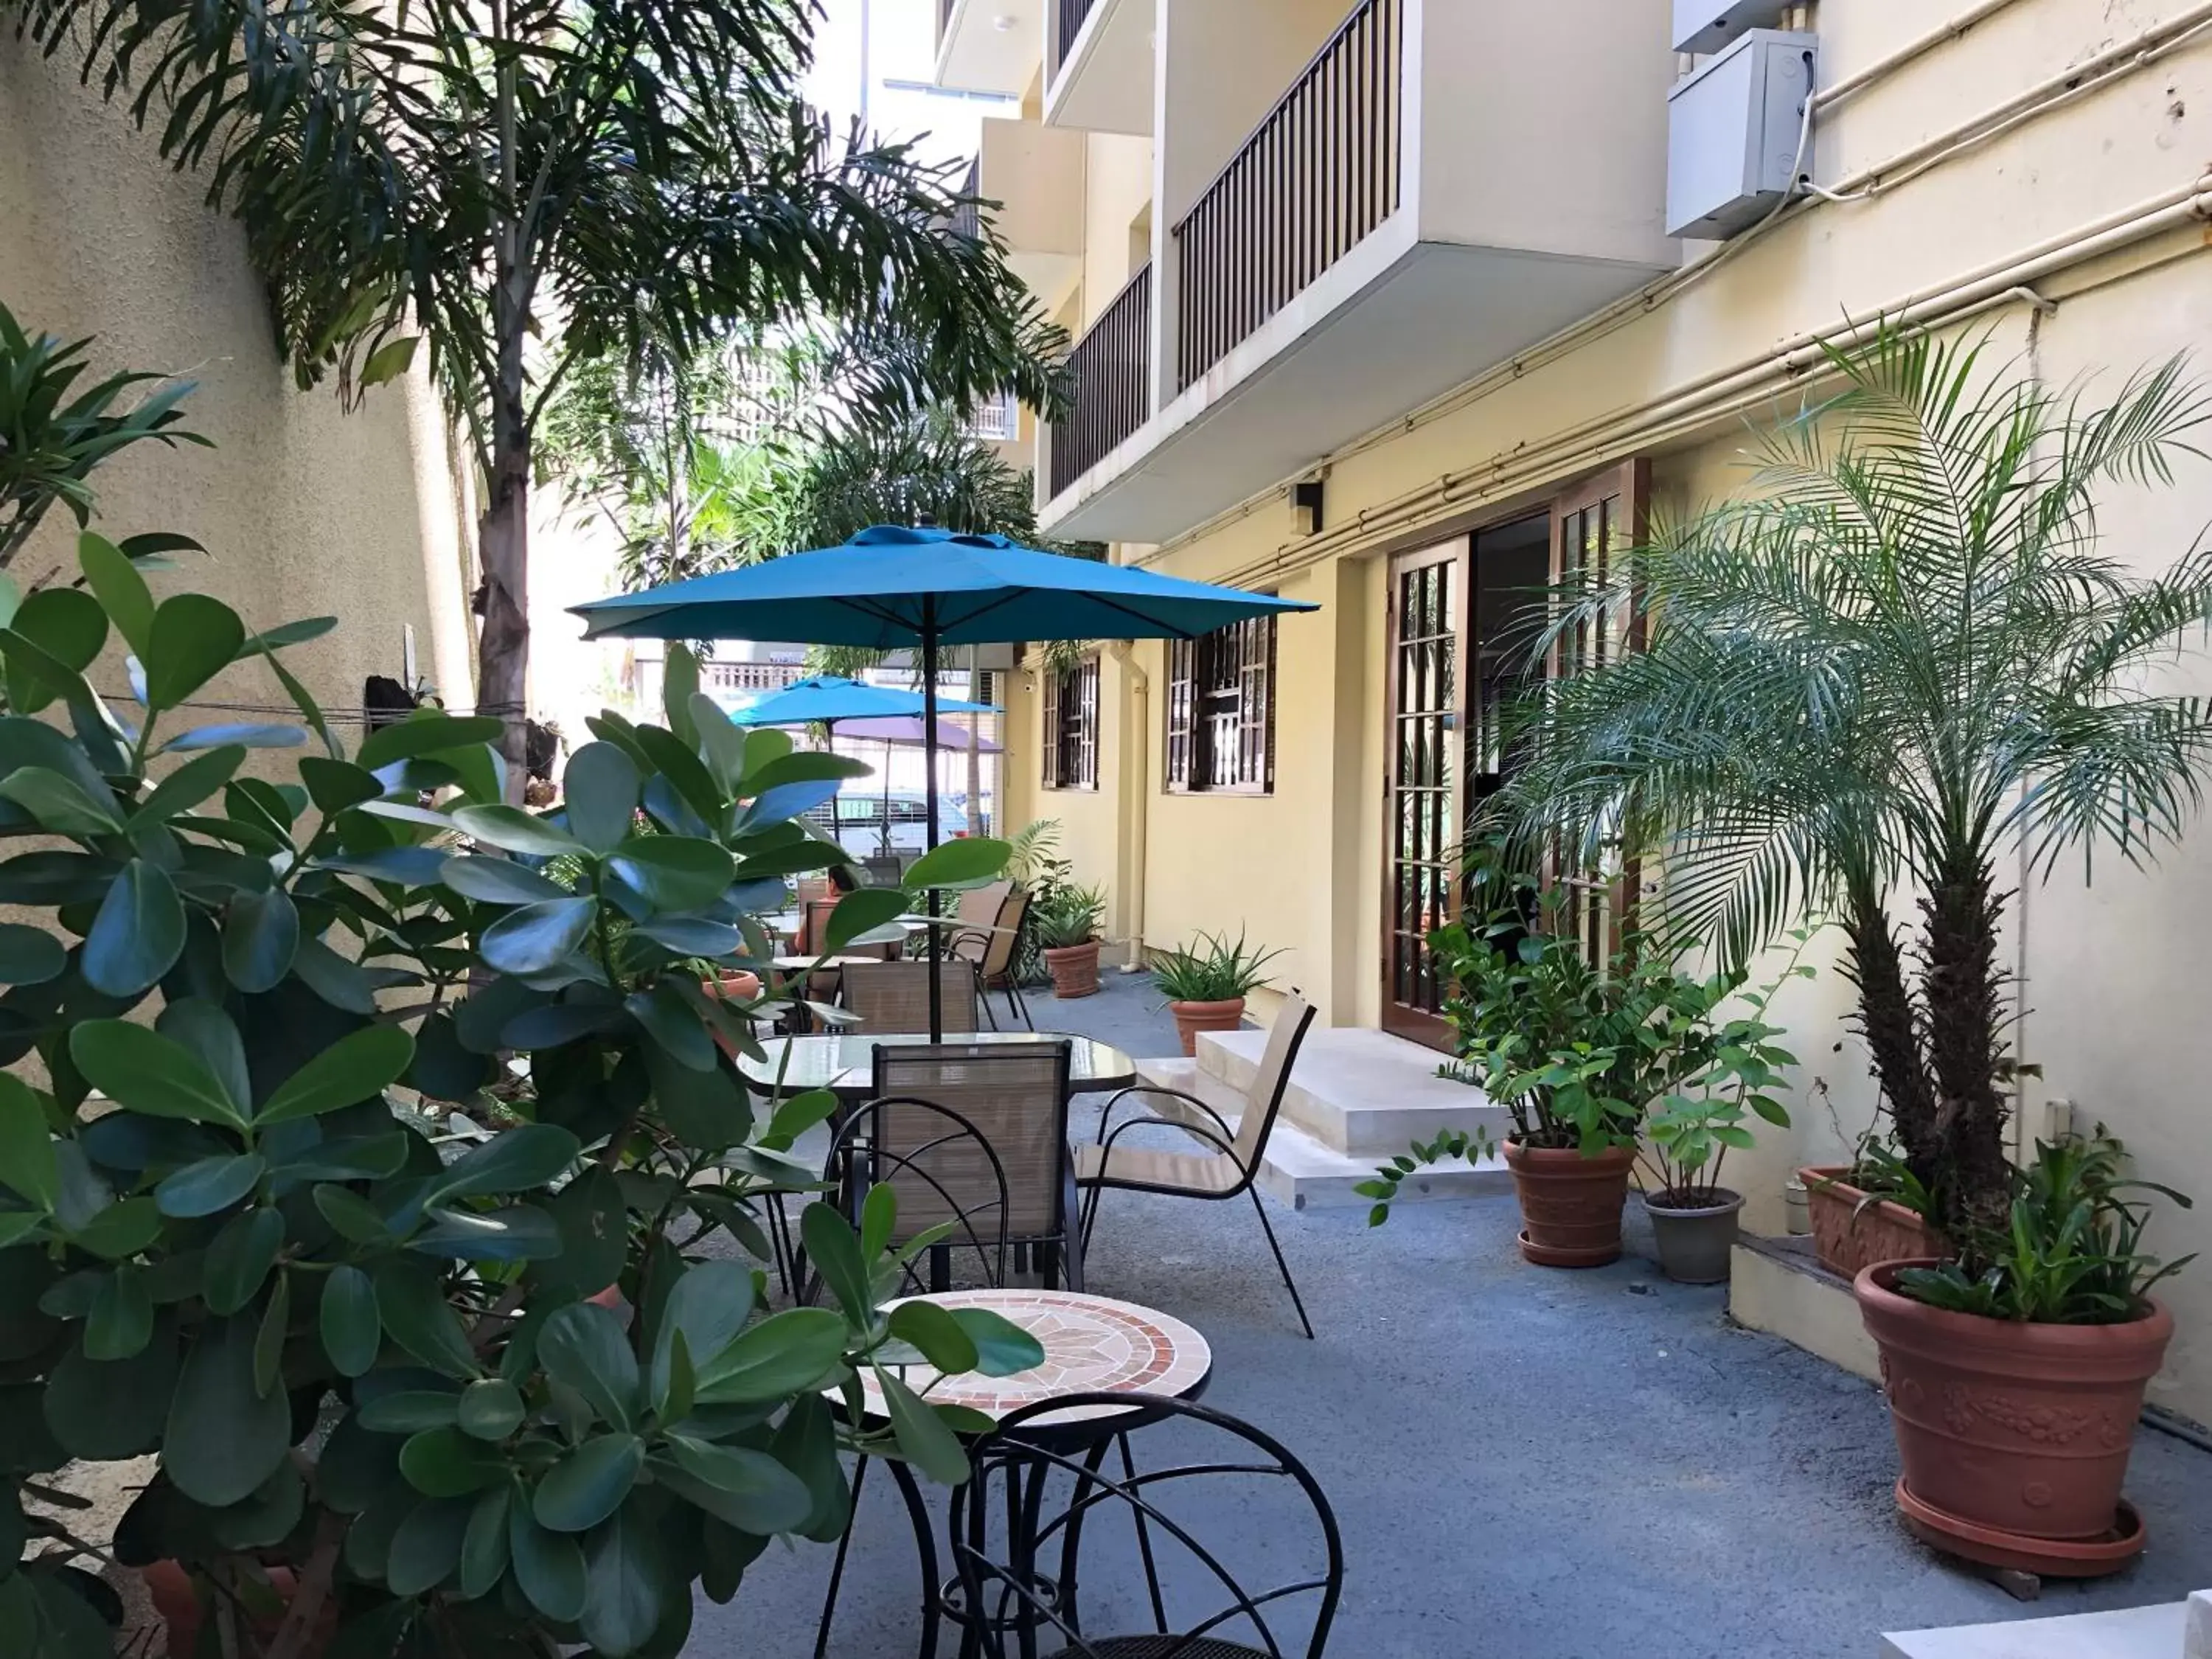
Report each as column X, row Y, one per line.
column 900, row 36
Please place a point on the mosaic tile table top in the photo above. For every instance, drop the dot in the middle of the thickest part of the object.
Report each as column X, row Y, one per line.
column 1092, row 1344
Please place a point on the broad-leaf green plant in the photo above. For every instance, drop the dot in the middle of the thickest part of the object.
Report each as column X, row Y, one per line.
column 406, row 1204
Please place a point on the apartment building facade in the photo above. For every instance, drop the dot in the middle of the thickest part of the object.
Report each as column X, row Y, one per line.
column 1375, row 305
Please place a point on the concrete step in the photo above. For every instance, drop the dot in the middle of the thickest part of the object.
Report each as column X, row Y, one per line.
column 1362, row 1093
column 1299, row 1169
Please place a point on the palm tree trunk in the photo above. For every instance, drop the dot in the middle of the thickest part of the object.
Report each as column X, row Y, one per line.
column 1890, row 1026
column 503, row 641
column 1965, row 1012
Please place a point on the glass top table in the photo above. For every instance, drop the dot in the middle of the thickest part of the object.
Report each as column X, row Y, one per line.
column 844, row 1062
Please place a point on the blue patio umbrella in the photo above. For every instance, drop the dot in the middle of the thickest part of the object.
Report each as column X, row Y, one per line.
column 824, row 700
column 894, row 587
column 830, row 700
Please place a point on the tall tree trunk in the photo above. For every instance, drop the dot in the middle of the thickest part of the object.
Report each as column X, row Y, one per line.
column 1965, row 1010
column 1890, row 1026
column 503, row 641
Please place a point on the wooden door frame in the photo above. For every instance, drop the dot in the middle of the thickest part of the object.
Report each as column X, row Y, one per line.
column 1630, row 480
column 1395, row 1017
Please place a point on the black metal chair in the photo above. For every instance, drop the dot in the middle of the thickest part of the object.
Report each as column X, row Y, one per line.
column 1057, row 1495
column 1229, row 1168
column 939, row 1164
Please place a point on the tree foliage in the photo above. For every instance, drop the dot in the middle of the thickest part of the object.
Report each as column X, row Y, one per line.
column 532, row 186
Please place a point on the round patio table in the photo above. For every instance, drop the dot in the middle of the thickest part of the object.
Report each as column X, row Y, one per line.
column 844, row 1063
column 1092, row 1344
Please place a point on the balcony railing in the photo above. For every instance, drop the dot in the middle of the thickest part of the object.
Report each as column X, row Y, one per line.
column 968, row 216
column 1318, row 174
column 1067, row 24
column 1112, row 368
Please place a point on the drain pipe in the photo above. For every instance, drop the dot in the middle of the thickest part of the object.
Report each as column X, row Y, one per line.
column 1137, row 735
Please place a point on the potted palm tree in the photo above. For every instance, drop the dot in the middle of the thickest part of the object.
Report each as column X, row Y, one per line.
column 1066, row 924
column 1900, row 658
column 1207, row 982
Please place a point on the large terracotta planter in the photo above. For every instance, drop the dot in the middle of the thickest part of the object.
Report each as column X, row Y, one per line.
column 1850, row 1234
column 1570, row 1204
column 1074, row 969
column 2013, row 1433
column 1192, row 1018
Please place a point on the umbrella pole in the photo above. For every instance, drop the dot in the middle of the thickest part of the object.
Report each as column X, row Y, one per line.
column 929, row 808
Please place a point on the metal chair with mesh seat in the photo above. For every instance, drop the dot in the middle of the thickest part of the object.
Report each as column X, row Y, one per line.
column 893, row 997
column 1014, row 1096
column 993, row 948
column 1039, row 1496
column 1229, row 1168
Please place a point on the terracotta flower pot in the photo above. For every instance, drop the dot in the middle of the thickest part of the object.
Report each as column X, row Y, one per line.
column 1074, row 969
column 1850, row 1234
column 1192, row 1018
column 1569, row 1204
column 2012, row 1431
column 737, row 985
column 177, row 1601
column 1695, row 1242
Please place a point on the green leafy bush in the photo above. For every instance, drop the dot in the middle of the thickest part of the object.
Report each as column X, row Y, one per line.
column 1583, row 1054
column 341, row 1113
column 2071, row 1252
column 1211, row 969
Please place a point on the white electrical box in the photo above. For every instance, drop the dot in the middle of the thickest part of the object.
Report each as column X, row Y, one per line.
column 1703, row 26
column 1732, row 134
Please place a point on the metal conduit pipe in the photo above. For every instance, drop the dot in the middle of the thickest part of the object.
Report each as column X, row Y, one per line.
column 1687, row 408
column 2077, row 81
column 2123, row 59
column 1860, row 79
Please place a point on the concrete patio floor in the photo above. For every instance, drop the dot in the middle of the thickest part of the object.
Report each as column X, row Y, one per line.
column 1527, row 1463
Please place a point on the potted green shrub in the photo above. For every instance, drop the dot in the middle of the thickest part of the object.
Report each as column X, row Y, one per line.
column 1576, row 1053
column 348, row 1121
column 2015, row 1368
column 1895, row 665
column 1065, row 925
column 1207, row 982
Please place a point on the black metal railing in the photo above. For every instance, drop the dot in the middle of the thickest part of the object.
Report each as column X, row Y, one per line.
column 968, row 216
column 1111, row 367
column 1318, row 174
column 1067, row 23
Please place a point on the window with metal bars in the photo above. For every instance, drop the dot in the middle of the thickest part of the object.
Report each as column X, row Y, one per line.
column 1070, row 727
column 1221, row 710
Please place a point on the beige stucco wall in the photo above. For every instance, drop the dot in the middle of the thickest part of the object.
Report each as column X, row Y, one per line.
column 1118, row 183
column 2110, row 986
column 305, row 510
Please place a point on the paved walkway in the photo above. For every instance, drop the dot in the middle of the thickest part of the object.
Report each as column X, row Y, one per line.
column 1526, row 1463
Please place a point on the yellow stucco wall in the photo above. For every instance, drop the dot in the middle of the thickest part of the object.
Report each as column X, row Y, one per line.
column 305, row 510
column 2108, row 968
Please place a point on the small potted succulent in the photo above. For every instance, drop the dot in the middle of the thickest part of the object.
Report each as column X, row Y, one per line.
column 1066, row 924
column 1205, row 984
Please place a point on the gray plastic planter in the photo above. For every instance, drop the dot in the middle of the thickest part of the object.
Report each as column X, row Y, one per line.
column 1695, row 1244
